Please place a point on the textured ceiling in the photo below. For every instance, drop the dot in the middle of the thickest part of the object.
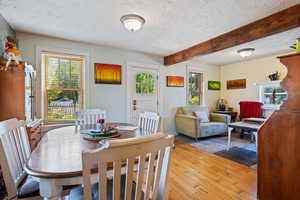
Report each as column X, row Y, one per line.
column 171, row 25
column 274, row 44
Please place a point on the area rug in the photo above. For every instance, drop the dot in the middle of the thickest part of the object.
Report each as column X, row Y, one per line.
column 240, row 155
column 219, row 144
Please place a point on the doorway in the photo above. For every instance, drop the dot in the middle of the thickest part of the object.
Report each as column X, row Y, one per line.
column 142, row 92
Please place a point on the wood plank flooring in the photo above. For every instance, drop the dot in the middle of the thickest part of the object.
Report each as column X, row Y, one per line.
column 199, row 175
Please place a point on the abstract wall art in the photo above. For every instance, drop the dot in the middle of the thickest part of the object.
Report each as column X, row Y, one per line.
column 214, row 85
column 236, row 84
column 175, row 81
column 108, row 74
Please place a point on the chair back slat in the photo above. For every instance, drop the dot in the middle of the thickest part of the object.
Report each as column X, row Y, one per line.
column 149, row 183
column 117, row 180
column 150, row 154
column 102, row 188
column 158, row 173
column 89, row 116
column 129, row 177
column 140, row 176
column 149, row 122
column 14, row 153
column 86, row 181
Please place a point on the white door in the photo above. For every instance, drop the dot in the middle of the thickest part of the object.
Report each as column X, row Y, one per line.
column 143, row 92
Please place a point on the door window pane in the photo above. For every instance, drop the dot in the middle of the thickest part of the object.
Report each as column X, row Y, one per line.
column 144, row 83
column 195, row 89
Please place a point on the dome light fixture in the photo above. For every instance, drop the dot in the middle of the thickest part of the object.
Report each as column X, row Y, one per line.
column 132, row 22
column 246, row 52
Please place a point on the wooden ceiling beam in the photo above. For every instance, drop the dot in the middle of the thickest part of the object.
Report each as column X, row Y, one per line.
column 279, row 22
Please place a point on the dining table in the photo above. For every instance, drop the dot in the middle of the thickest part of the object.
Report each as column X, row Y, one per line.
column 57, row 161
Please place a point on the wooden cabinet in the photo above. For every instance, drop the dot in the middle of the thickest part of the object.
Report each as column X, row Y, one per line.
column 34, row 131
column 279, row 142
column 12, row 94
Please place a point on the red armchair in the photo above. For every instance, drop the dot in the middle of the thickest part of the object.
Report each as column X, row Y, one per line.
column 250, row 109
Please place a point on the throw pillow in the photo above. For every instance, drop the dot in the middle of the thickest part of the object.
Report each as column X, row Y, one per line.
column 202, row 116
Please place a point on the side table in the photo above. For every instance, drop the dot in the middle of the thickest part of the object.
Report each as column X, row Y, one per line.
column 231, row 113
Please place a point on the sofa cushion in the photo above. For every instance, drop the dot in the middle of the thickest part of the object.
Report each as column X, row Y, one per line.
column 189, row 110
column 211, row 128
column 202, row 116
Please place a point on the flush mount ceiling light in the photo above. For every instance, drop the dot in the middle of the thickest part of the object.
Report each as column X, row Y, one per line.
column 132, row 22
column 246, row 52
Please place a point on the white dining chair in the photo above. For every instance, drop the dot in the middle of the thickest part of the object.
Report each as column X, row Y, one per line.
column 89, row 116
column 149, row 122
column 14, row 153
column 152, row 156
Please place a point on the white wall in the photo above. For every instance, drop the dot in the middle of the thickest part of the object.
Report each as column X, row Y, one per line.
column 112, row 98
column 5, row 30
column 254, row 71
column 109, row 97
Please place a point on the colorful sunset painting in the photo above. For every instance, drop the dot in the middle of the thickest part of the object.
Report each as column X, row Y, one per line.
column 107, row 73
column 175, row 81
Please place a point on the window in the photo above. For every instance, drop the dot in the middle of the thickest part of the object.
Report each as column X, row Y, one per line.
column 195, row 85
column 274, row 95
column 271, row 94
column 63, row 87
column 144, row 83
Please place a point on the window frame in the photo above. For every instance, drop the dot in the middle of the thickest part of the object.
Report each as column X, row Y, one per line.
column 262, row 86
column 46, row 88
column 202, row 91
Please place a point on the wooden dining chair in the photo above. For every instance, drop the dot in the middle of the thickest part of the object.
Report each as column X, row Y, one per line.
column 149, row 122
column 14, row 153
column 89, row 116
column 150, row 154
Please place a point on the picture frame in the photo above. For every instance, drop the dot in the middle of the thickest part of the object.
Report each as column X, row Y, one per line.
column 214, row 85
column 236, row 84
column 175, row 81
column 108, row 74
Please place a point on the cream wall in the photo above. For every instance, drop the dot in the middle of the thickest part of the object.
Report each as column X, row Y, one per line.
column 113, row 98
column 254, row 71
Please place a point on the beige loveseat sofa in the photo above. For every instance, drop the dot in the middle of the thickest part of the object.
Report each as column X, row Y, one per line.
column 188, row 124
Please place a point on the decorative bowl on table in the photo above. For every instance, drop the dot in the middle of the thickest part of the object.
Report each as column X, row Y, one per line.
column 97, row 134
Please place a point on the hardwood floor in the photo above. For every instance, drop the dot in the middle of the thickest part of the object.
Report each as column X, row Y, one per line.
column 199, row 175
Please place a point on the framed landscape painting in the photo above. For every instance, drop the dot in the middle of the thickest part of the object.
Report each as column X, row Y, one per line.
column 175, row 81
column 236, row 84
column 108, row 74
column 214, row 85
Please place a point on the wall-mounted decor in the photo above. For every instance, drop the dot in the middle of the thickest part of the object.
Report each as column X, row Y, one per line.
column 274, row 77
column 107, row 73
column 214, row 85
column 236, row 84
column 175, row 81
